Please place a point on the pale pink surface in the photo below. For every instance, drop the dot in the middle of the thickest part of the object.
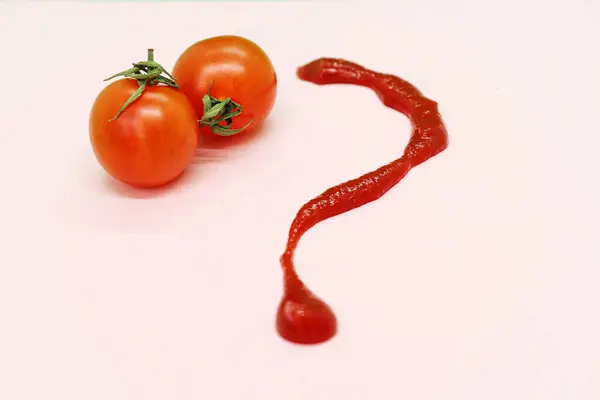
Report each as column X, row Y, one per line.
column 475, row 278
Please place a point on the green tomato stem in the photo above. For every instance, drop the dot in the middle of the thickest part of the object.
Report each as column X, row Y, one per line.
column 219, row 110
column 146, row 73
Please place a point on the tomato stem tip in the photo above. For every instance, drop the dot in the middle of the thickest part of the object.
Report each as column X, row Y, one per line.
column 146, row 73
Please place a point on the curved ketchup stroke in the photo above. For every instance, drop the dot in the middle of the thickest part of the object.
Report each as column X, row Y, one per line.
column 302, row 317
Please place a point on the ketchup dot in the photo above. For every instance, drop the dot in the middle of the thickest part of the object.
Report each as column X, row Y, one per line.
column 303, row 318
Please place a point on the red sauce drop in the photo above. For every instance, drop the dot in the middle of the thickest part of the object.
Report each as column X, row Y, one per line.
column 302, row 317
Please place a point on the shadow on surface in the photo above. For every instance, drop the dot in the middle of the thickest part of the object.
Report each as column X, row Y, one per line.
column 117, row 188
column 213, row 146
column 211, row 149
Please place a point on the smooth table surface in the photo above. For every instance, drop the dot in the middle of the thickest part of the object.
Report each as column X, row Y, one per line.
column 475, row 278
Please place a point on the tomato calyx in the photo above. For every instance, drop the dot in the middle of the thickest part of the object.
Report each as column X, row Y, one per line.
column 146, row 73
column 217, row 111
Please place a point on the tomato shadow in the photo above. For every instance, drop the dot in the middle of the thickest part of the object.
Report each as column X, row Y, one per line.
column 211, row 149
column 211, row 146
column 185, row 179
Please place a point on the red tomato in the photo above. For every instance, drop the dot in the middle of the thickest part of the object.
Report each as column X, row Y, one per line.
column 152, row 141
column 238, row 68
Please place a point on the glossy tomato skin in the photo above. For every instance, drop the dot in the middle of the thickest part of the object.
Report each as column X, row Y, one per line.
column 151, row 142
column 238, row 68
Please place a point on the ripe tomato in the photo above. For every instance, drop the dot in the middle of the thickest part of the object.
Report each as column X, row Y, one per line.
column 152, row 141
column 238, row 69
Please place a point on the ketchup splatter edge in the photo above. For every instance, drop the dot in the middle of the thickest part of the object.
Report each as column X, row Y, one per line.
column 302, row 317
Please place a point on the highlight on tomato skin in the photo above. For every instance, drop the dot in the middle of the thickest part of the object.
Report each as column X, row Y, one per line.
column 229, row 67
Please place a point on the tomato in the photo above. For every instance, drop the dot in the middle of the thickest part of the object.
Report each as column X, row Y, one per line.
column 238, row 69
column 152, row 142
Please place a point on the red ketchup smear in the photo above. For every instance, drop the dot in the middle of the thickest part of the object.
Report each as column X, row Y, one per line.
column 302, row 317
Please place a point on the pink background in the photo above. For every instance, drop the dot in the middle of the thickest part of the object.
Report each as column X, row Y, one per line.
column 475, row 278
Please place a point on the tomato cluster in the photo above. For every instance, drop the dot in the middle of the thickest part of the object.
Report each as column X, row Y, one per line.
column 145, row 128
